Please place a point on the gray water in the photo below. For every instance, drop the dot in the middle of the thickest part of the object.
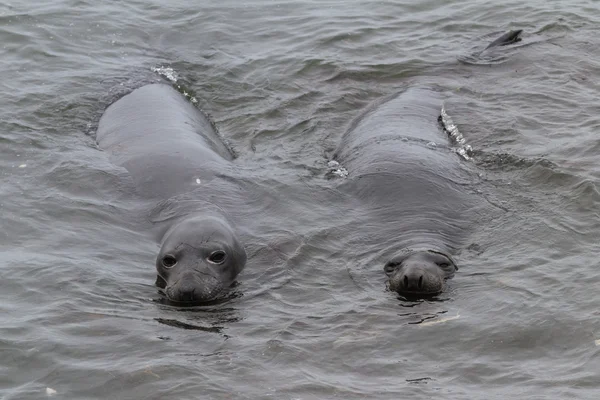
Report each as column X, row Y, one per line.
column 80, row 317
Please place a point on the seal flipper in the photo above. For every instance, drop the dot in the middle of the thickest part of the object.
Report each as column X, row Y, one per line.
column 508, row 38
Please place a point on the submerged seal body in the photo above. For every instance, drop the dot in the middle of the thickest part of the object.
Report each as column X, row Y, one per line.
column 412, row 188
column 169, row 147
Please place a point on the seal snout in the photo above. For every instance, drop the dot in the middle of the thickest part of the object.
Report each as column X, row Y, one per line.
column 413, row 281
column 416, row 280
column 419, row 272
column 191, row 289
column 185, row 292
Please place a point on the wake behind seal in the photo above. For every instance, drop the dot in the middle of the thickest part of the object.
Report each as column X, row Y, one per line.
column 167, row 145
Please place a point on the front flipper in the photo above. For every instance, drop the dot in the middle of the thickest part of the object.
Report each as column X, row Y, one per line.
column 506, row 39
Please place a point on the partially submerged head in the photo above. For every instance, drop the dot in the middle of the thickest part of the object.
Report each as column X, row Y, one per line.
column 199, row 259
column 420, row 272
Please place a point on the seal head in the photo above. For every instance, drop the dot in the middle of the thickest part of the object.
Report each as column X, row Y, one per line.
column 199, row 259
column 420, row 272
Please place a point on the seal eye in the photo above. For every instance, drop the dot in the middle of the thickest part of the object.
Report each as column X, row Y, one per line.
column 217, row 257
column 390, row 267
column 169, row 261
column 443, row 265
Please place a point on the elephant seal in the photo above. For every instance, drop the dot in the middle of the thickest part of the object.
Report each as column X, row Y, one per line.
column 413, row 188
column 169, row 147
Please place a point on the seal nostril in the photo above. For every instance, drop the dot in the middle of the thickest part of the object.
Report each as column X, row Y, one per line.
column 405, row 281
column 421, row 282
column 187, row 294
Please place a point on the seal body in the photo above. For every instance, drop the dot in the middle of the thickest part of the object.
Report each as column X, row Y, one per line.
column 170, row 148
column 413, row 188
column 164, row 142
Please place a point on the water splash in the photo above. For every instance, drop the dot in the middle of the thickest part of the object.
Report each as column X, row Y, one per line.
column 166, row 72
column 336, row 170
column 462, row 148
column 171, row 75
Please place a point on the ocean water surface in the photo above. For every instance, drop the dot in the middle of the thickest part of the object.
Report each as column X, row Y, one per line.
column 80, row 317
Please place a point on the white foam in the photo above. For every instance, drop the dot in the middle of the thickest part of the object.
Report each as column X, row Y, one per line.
column 171, row 75
column 337, row 169
column 463, row 149
column 166, row 72
column 341, row 172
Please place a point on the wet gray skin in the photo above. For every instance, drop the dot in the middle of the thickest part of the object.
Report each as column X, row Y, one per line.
column 170, row 149
column 414, row 195
column 199, row 260
column 419, row 273
column 415, row 191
